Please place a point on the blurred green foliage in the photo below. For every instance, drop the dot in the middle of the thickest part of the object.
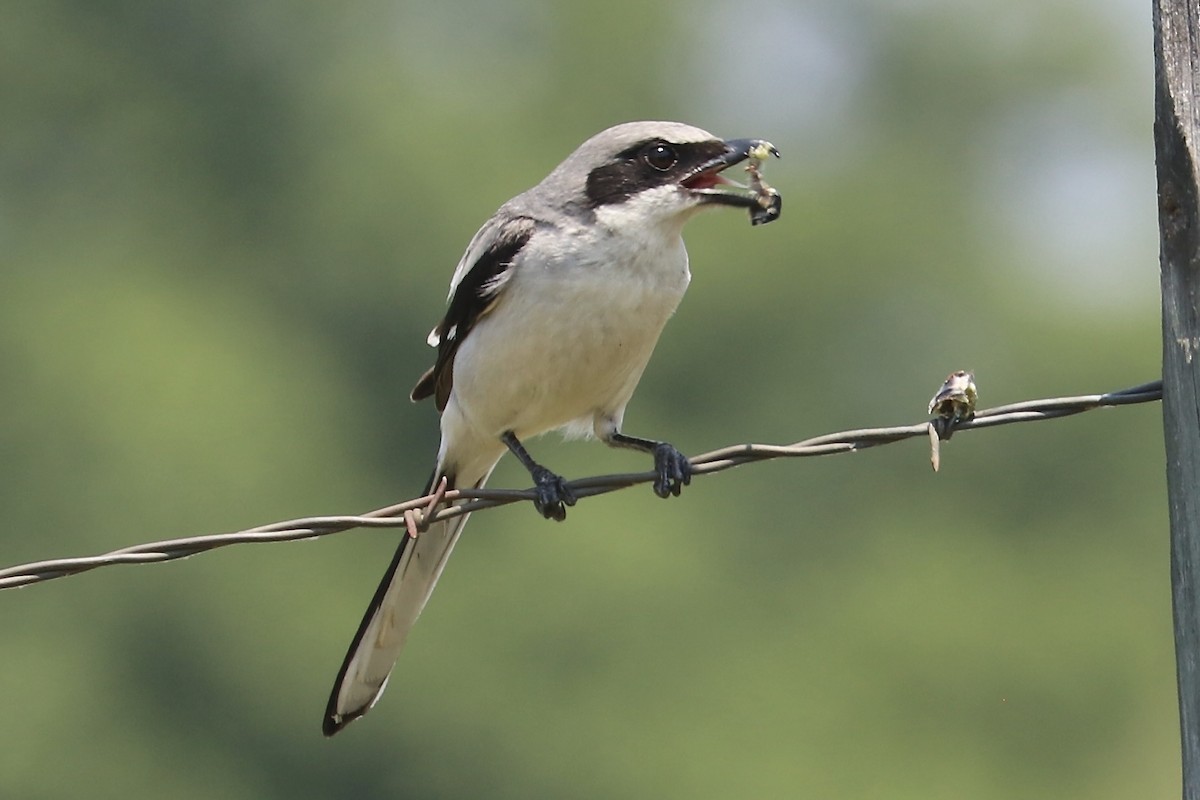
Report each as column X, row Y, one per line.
column 225, row 229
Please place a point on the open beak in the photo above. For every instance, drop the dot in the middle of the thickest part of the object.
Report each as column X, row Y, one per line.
column 707, row 182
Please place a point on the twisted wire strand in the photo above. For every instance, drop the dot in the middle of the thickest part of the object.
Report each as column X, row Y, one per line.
column 415, row 514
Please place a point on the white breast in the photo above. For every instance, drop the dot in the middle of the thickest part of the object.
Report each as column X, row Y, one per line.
column 569, row 337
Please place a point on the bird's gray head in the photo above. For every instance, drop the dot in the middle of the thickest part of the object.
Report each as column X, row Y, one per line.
column 661, row 171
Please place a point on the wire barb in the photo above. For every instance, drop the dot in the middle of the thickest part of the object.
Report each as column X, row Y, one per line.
column 416, row 514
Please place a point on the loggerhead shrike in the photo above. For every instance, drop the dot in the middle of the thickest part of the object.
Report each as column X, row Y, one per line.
column 554, row 310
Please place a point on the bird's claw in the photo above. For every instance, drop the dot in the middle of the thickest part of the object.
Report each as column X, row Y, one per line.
column 552, row 495
column 672, row 469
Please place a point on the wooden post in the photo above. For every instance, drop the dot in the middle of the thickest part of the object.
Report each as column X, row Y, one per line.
column 1176, row 139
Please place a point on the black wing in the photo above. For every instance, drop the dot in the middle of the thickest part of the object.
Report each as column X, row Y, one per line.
column 473, row 294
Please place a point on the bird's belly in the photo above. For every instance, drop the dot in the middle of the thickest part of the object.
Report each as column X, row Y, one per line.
column 559, row 353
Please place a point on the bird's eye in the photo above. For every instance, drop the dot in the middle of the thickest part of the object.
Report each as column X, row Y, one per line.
column 660, row 156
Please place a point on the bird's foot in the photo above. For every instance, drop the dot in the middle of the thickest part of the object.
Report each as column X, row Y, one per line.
column 552, row 495
column 672, row 468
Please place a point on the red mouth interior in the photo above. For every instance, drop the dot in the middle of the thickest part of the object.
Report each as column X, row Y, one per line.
column 705, row 180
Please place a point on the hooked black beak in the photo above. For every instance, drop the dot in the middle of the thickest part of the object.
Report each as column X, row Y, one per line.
column 741, row 149
column 706, row 181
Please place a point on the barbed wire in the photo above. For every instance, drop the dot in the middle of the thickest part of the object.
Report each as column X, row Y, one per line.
column 419, row 512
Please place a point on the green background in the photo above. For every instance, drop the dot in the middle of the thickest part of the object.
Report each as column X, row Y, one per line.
column 226, row 227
